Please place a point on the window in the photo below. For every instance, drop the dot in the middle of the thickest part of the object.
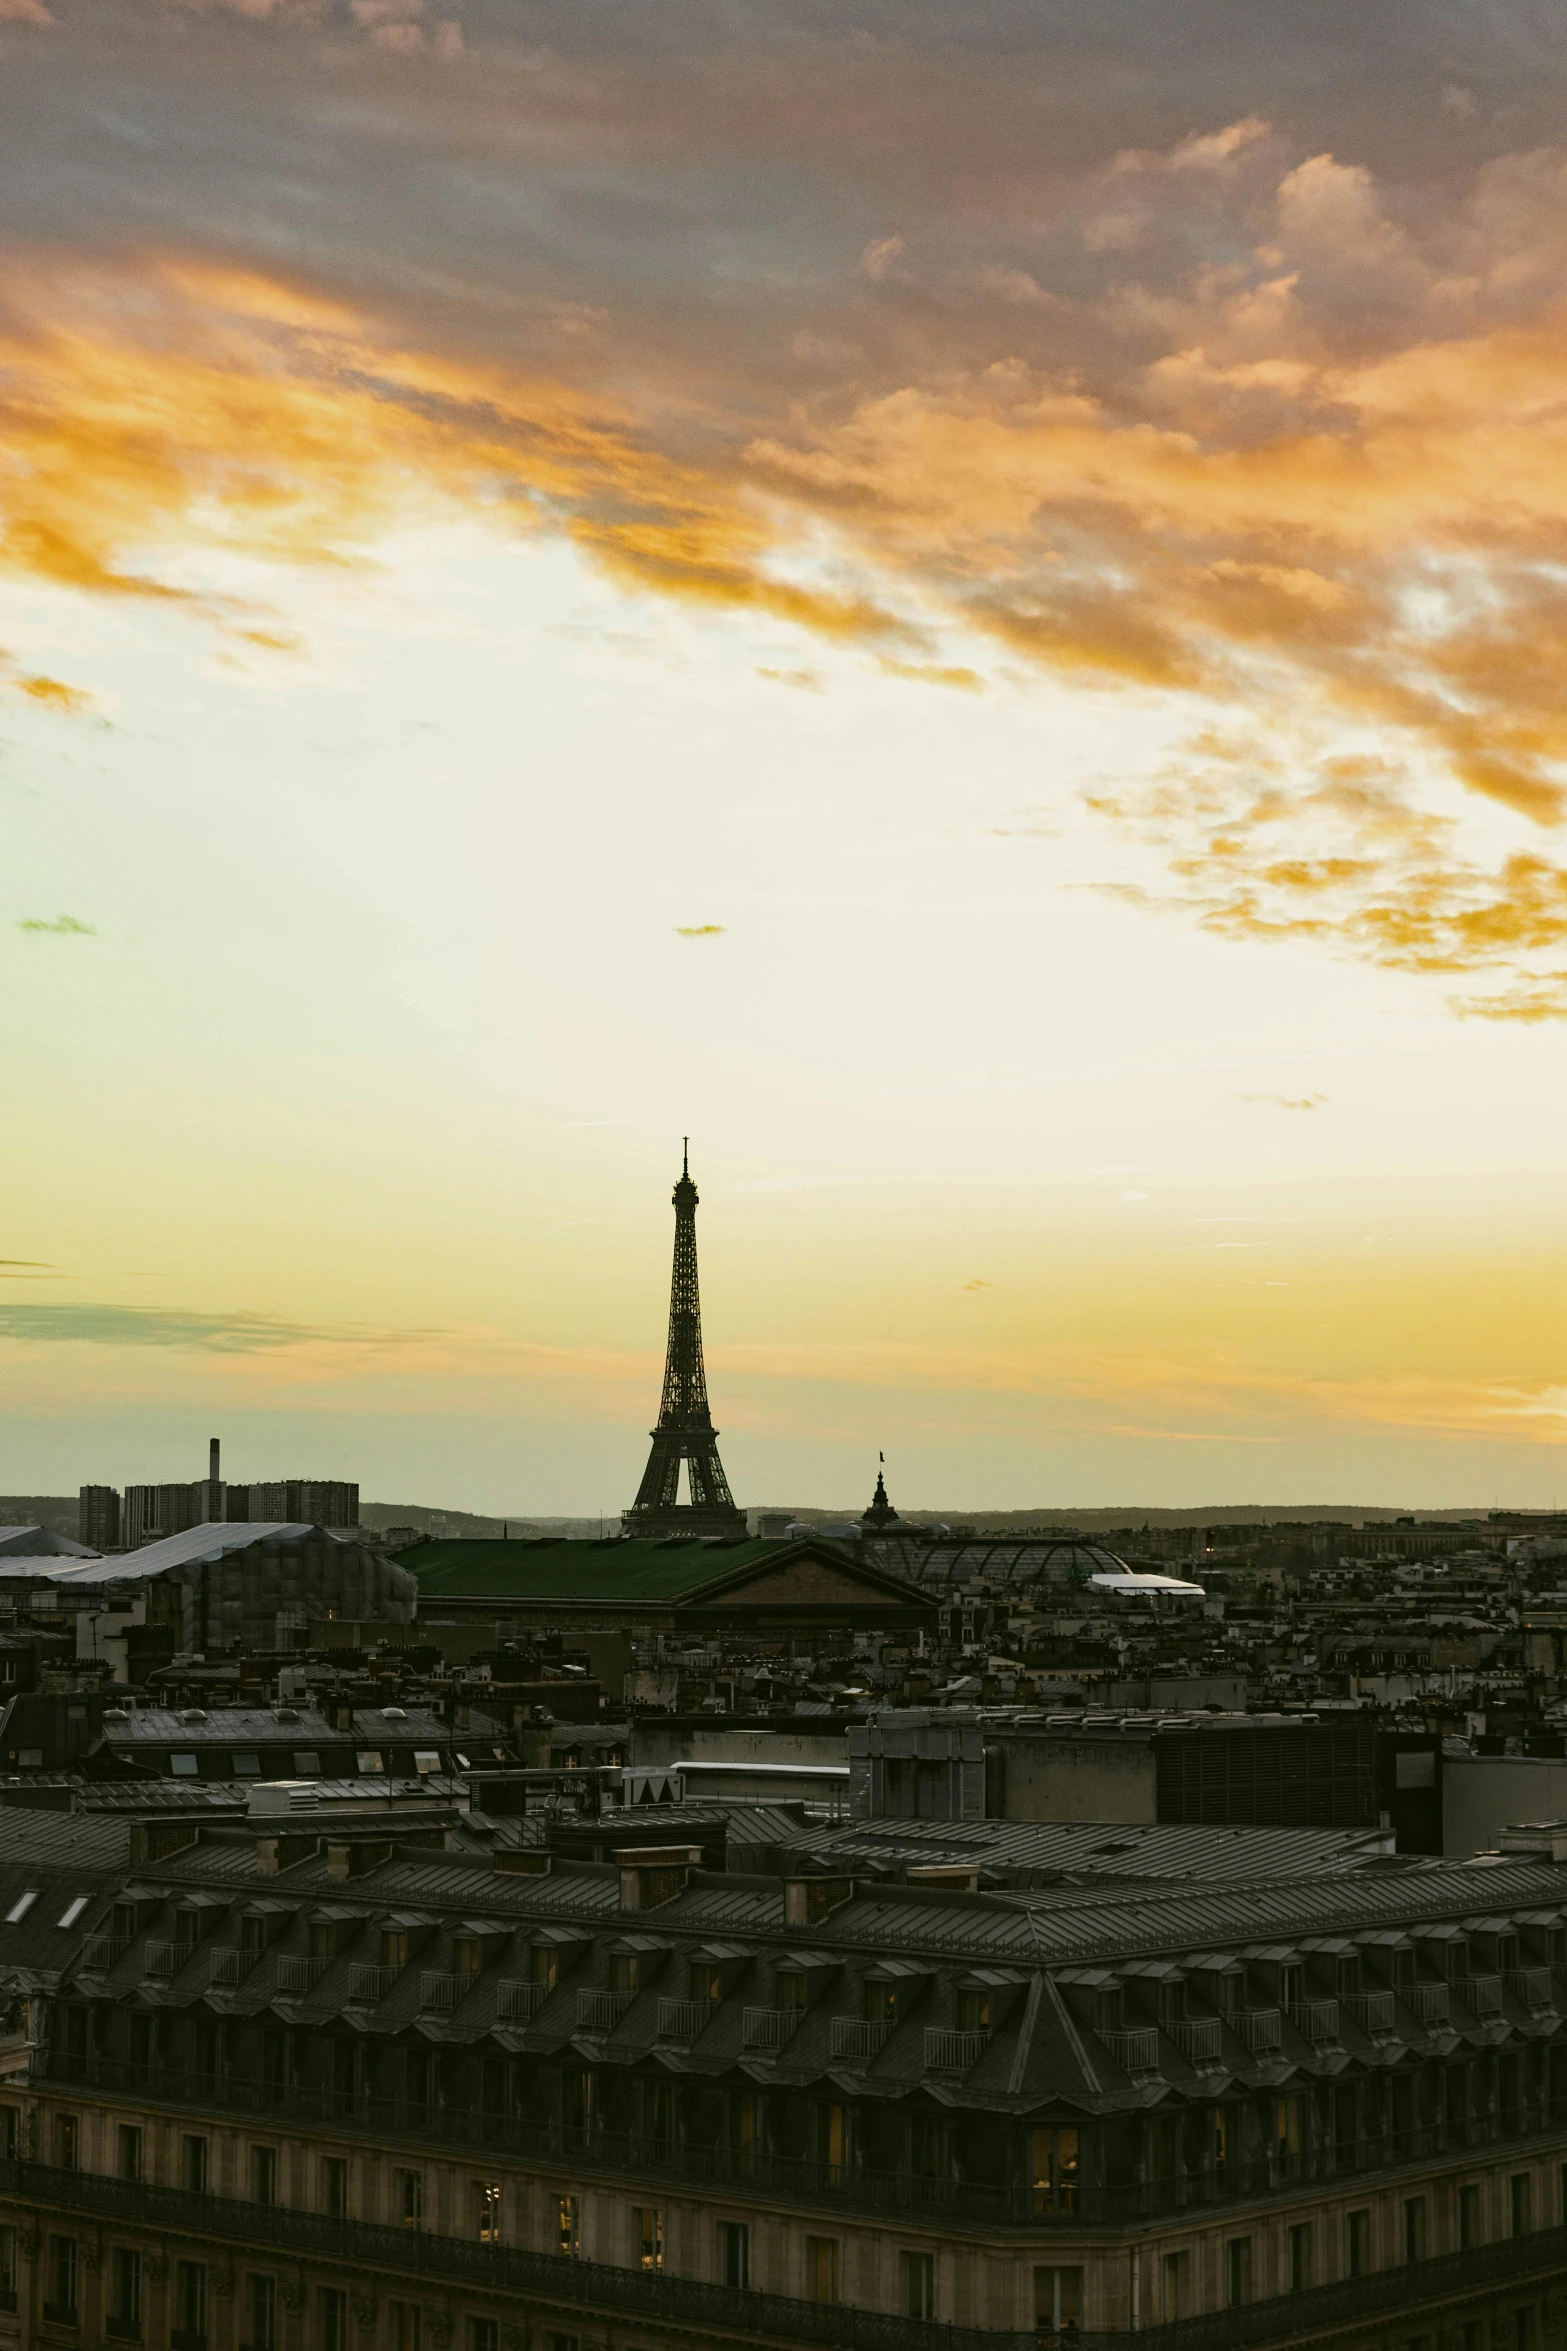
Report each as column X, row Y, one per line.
column 791, row 1990
column 1058, row 2302
column 307, row 1764
column 193, row 2166
column 467, row 1955
column 821, row 2269
column 371, row 1759
column 187, row 1929
column 568, row 2226
column 623, row 1972
column 67, row 2141
column 1055, row 2171
column 1175, row 2277
column 190, row 2303
column 261, row 2314
column 1358, row 2243
column 426, row 1759
column 320, row 1938
column 20, row 1907
column 394, row 1947
column 1414, row 2228
column 125, row 2294
column 881, row 2001
column 263, row 2177
column 410, row 2198
column 487, row 2210
column 918, row 2276
column 72, row 1911
column 1290, row 2134
column 1471, row 2223
column 647, row 2235
column 734, row 2248
column 543, row 1965
column 7, row 2260
column 1300, row 2256
column 253, row 1936
column 404, row 2327
column 129, row 2149
column 184, row 1767
column 61, row 2273
column 973, row 2012
column 1172, row 2002
column 10, row 2136
column 1237, row 2271
column 331, row 2319
column 484, row 2334
column 334, row 2185
column 1521, row 2202
column 1523, row 2330
column 560, row 2343
column 247, row 1764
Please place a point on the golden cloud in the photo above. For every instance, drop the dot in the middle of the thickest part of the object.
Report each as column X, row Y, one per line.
column 1350, row 564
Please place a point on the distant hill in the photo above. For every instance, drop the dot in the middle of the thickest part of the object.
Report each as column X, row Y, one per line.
column 380, row 1515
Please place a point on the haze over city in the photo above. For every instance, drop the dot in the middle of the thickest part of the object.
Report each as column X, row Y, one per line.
column 962, row 604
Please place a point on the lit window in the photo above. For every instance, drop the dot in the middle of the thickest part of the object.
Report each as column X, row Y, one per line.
column 371, row 1759
column 21, row 1906
column 426, row 1759
column 73, row 1911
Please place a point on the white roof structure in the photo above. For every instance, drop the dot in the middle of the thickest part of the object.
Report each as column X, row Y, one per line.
column 1131, row 1586
column 214, row 1541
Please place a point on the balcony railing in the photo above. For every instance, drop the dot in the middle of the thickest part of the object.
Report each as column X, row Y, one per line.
column 859, row 2040
column 600, row 2012
column 101, row 1952
column 1431, row 2003
column 953, row 2052
column 767, row 2028
column 1200, row 2039
column 682, row 2020
column 440, row 1988
column 1483, row 1993
column 297, row 1974
column 227, row 1968
column 1530, row 1986
column 368, row 1983
column 1262, row 2029
column 166, row 1959
column 517, row 2002
column 731, row 2313
column 1372, row 2011
column 1136, row 2051
column 1316, row 2021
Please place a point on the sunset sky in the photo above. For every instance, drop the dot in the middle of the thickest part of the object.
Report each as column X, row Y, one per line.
column 965, row 602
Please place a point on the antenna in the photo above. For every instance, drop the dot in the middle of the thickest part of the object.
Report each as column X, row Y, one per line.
column 685, row 1154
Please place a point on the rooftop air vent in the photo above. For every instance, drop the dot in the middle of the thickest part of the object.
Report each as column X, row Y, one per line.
column 394, row 1714
column 115, row 1714
column 288, row 1714
column 193, row 1714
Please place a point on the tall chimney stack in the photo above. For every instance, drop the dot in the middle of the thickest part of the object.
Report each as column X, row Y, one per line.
column 212, row 1461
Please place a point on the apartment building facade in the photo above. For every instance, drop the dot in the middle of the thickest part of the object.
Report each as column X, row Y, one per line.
column 318, row 2095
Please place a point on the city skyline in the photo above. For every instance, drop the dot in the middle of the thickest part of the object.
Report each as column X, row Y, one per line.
column 962, row 605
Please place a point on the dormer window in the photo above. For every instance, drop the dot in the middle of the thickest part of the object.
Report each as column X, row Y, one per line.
column 467, row 1956
column 1172, row 2003
column 321, row 1938
column 881, row 2002
column 973, row 2011
column 791, row 1990
column 394, row 1947
column 544, row 1965
column 187, row 1929
column 1109, row 2009
column 623, row 1971
column 253, row 1936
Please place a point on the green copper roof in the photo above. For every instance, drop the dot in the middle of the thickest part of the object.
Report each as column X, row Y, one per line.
column 631, row 1568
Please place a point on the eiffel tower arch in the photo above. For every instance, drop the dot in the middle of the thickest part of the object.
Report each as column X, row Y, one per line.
column 685, row 1431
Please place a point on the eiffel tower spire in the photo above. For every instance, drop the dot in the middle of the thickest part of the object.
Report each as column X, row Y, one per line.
column 685, row 1431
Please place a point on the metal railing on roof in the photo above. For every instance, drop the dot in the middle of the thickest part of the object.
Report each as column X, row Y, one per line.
column 951, row 2052
column 682, row 2020
column 369, row 1983
column 296, row 1973
column 518, row 2001
column 768, row 2028
column 858, row 2039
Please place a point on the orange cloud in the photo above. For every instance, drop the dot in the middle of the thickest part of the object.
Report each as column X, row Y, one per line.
column 1356, row 554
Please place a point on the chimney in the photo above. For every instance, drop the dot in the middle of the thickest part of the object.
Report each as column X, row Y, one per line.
column 212, row 1461
column 653, row 1874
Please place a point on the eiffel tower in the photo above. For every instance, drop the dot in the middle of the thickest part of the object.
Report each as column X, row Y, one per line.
column 685, row 1430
